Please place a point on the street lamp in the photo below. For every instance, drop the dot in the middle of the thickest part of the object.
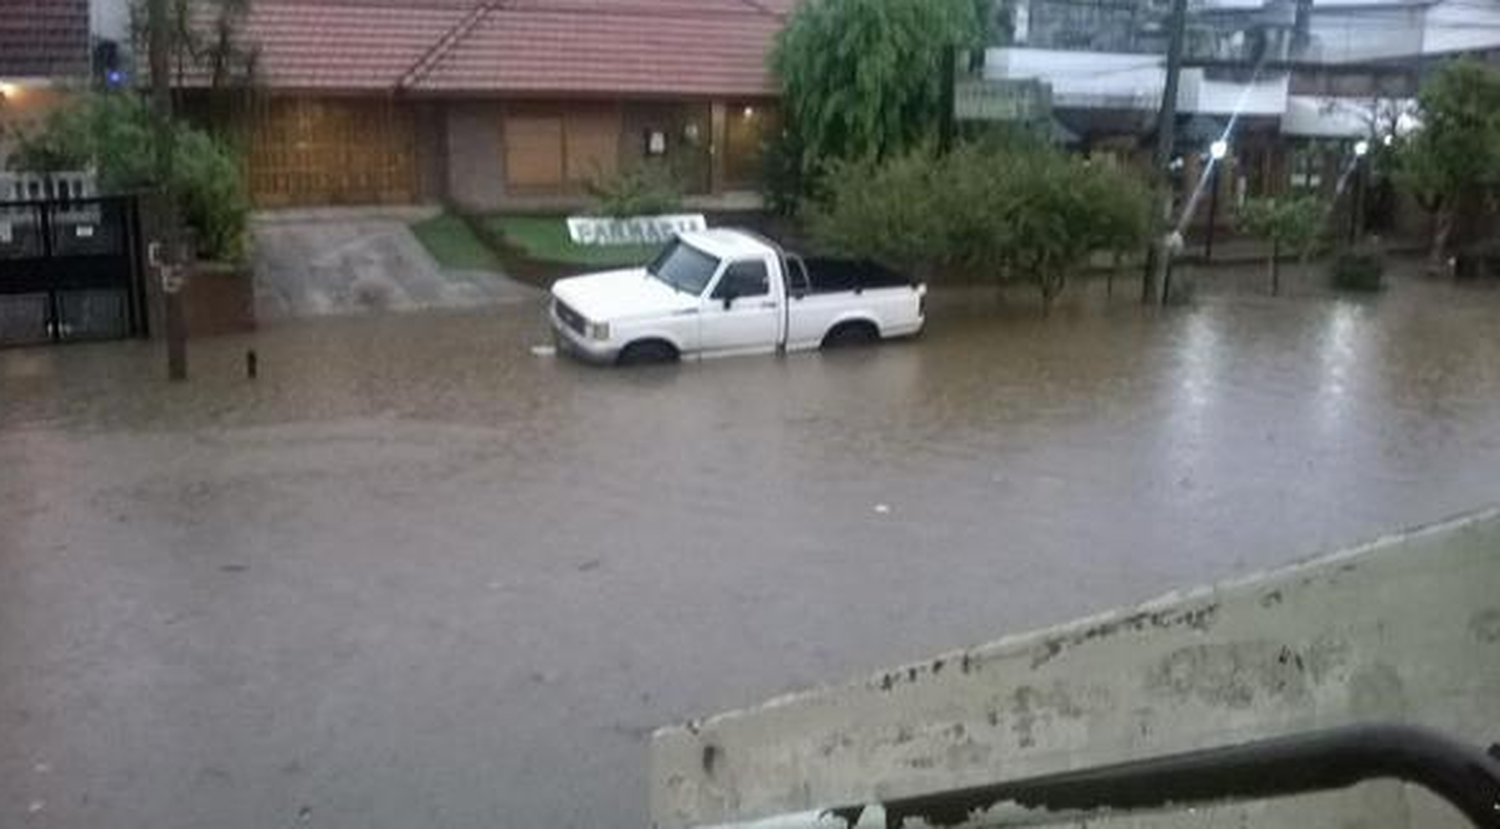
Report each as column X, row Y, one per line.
column 1216, row 153
column 1357, row 208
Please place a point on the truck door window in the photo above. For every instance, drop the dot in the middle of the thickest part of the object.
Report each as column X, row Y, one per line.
column 747, row 278
column 796, row 274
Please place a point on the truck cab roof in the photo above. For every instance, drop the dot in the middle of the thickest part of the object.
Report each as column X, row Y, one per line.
column 727, row 244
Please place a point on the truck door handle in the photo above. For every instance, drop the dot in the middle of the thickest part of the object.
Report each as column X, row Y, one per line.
column 768, row 305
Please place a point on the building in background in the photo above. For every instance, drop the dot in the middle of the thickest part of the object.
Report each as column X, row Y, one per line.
column 1290, row 85
column 44, row 52
column 490, row 105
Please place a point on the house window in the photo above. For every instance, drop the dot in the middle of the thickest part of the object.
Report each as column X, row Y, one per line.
column 1306, row 165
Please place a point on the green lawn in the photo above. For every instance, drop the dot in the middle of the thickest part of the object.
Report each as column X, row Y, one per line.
column 451, row 242
column 545, row 239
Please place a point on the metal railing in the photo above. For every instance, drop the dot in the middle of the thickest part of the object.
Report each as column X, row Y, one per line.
column 1464, row 776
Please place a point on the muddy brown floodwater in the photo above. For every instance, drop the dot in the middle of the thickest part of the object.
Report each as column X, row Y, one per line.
column 417, row 576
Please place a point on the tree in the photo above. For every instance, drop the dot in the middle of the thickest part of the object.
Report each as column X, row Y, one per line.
column 1453, row 158
column 892, row 212
column 866, row 77
column 206, row 43
column 1019, row 210
column 113, row 134
column 1287, row 222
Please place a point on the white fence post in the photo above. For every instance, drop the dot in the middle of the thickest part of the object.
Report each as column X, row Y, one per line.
column 47, row 186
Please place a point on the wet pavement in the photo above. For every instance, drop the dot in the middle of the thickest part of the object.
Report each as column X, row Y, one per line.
column 415, row 575
column 339, row 262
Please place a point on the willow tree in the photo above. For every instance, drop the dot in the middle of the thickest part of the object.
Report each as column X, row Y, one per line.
column 865, row 78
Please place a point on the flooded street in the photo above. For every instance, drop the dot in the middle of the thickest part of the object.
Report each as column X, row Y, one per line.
column 415, row 575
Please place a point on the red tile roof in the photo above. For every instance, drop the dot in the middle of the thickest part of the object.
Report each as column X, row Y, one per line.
column 527, row 47
column 44, row 39
column 327, row 44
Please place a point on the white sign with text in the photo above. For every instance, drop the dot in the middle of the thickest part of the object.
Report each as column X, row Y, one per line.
column 632, row 230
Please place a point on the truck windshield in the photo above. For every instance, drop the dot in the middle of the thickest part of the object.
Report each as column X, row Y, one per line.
column 684, row 267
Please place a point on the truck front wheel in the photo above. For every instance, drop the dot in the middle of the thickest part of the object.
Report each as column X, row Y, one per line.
column 850, row 334
column 646, row 353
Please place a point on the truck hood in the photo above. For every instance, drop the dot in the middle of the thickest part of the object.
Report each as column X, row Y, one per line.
column 619, row 295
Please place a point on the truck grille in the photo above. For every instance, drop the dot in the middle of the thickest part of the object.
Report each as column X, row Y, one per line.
column 570, row 318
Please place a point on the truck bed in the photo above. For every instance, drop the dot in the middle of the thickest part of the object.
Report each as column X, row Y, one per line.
column 826, row 275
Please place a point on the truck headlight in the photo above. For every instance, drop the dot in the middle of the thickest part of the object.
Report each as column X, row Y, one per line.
column 598, row 330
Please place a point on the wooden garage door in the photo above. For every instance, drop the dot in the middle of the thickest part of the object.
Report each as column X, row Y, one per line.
column 307, row 152
column 560, row 149
column 533, row 151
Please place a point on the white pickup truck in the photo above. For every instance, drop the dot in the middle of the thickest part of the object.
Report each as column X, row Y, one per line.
column 721, row 292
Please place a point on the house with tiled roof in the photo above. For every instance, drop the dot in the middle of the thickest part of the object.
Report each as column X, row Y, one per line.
column 44, row 48
column 501, row 103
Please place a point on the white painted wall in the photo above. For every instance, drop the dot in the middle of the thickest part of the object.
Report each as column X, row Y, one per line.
column 110, row 19
column 1355, row 34
column 1267, row 96
column 1457, row 25
column 1084, row 80
column 1102, row 80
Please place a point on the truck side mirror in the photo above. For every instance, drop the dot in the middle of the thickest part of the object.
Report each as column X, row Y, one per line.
column 729, row 298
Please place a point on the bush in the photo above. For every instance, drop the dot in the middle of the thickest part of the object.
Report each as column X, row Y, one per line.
column 1018, row 210
column 113, row 134
column 891, row 212
column 1479, row 260
column 646, row 189
column 1288, row 223
column 783, row 178
column 1358, row 270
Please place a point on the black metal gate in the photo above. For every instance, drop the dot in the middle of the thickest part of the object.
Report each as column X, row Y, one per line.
column 71, row 270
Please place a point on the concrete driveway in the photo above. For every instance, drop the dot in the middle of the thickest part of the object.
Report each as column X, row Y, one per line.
column 339, row 262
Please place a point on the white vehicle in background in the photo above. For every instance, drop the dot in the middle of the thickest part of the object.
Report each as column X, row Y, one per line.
column 723, row 292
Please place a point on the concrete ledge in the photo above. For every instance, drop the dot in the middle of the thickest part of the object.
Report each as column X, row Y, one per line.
column 1405, row 629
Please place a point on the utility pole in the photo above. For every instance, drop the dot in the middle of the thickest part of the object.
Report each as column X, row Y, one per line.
column 167, row 248
column 1158, row 260
column 946, row 124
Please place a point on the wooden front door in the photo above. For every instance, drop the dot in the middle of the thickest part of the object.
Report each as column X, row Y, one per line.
column 318, row 151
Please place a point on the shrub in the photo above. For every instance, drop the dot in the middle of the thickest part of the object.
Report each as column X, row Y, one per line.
column 890, row 212
column 211, row 196
column 1288, row 223
column 646, row 189
column 783, row 175
column 1019, row 210
column 114, row 135
column 1481, row 259
column 1358, row 270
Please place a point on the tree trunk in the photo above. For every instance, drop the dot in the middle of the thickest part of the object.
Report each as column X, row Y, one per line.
column 1275, row 267
column 1442, row 228
column 1051, row 287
